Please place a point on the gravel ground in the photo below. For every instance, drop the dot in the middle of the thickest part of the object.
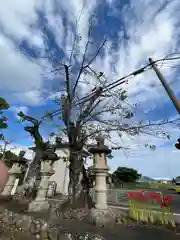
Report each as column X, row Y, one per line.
column 77, row 226
column 80, row 229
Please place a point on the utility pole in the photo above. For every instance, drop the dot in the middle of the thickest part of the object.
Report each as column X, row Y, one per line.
column 166, row 86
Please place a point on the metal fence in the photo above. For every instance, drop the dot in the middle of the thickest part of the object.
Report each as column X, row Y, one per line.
column 117, row 196
column 114, row 196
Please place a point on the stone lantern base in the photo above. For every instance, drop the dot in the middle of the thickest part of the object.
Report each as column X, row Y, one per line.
column 38, row 206
column 102, row 217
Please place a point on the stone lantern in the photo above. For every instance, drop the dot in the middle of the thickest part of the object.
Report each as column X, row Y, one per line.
column 14, row 173
column 101, row 214
column 100, row 169
column 40, row 203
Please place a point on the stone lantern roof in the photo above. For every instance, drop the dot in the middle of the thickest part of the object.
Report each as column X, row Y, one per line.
column 99, row 147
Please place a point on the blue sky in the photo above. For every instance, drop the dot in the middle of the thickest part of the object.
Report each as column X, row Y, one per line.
column 135, row 31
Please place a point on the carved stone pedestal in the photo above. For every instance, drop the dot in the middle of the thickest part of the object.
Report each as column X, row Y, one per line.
column 38, row 206
column 101, row 217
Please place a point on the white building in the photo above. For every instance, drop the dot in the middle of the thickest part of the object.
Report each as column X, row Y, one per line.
column 61, row 168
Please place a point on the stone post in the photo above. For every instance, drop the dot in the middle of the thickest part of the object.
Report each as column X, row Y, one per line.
column 40, row 203
column 100, row 170
column 13, row 173
column 101, row 213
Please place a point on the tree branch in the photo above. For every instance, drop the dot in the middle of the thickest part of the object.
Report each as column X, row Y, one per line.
column 88, row 109
column 75, row 39
column 68, row 83
column 82, row 63
column 126, row 129
column 97, row 53
column 29, row 119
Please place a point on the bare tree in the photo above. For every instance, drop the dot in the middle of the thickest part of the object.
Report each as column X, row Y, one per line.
column 4, row 147
column 101, row 111
column 84, row 114
column 42, row 149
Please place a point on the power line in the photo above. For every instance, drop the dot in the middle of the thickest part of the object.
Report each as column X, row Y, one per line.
column 136, row 72
column 80, row 101
column 106, row 88
column 116, row 83
column 124, row 79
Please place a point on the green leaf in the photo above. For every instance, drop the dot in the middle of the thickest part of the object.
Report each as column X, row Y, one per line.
column 21, row 120
column 152, row 147
column 3, row 125
column 168, row 137
column 101, row 74
column 21, row 114
column 123, row 95
column 3, row 104
column 129, row 115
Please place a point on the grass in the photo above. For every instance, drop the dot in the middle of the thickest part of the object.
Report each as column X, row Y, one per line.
column 149, row 186
column 162, row 186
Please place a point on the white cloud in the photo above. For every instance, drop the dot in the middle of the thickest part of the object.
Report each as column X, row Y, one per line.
column 78, row 13
column 19, row 76
column 17, row 148
column 151, row 135
column 16, row 110
column 162, row 163
column 110, row 2
column 17, row 18
column 31, row 97
column 152, row 33
column 28, row 155
column 150, row 30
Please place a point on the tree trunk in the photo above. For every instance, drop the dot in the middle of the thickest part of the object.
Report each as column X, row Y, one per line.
column 78, row 183
column 4, row 152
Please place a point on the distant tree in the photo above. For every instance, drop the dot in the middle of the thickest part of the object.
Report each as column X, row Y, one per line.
column 3, row 120
column 9, row 158
column 3, row 125
column 177, row 179
column 3, row 147
column 124, row 174
column 173, row 181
